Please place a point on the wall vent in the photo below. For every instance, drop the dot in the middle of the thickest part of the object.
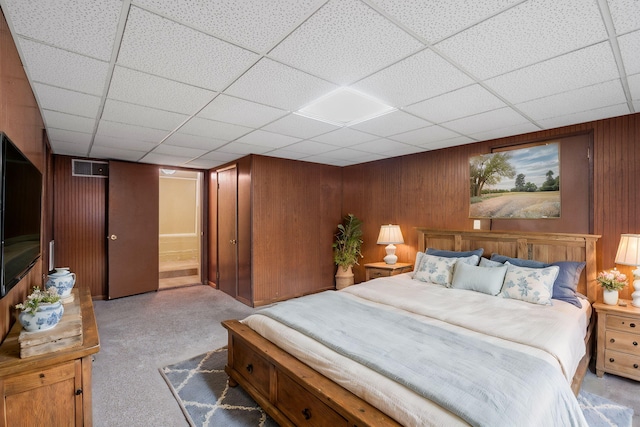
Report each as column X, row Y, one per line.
column 89, row 168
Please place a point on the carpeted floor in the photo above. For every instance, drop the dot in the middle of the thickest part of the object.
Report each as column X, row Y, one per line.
column 200, row 387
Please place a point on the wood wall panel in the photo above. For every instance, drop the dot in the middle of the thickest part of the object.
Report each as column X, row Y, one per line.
column 79, row 226
column 20, row 119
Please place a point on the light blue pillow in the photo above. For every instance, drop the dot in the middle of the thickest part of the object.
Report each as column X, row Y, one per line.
column 518, row 261
column 484, row 262
column 534, row 285
column 487, row 280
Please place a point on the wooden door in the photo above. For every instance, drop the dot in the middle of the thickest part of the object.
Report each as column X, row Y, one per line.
column 132, row 229
column 228, row 231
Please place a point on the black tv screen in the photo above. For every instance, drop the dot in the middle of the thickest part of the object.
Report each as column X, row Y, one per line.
column 20, row 196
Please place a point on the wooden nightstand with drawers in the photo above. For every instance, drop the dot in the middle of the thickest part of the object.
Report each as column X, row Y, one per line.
column 382, row 269
column 618, row 340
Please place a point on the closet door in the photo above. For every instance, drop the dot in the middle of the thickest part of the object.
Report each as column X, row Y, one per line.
column 133, row 225
column 228, row 231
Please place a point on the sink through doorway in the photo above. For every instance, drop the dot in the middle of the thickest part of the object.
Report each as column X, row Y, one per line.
column 180, row 239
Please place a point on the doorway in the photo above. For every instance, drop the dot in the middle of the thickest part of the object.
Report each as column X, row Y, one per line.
column 180, row 228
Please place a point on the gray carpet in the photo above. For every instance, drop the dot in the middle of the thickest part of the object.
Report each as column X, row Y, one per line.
column 200, row 386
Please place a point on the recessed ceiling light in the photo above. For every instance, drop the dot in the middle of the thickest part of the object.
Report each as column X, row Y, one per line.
column 345, row 107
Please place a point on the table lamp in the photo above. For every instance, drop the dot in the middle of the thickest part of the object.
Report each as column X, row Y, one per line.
column 629, row 254
column 390, row 235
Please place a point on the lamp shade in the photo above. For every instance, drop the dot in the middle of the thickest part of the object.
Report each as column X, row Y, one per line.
column 390, row 234
column 628, row 250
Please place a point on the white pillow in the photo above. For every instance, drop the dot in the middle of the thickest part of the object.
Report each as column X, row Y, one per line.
column 435, row 269
column 533, row 285
column 484, row 262
column 487, row 280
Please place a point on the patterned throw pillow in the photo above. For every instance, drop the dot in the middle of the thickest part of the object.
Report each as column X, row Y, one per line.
column 528, row 284
column 435, row 269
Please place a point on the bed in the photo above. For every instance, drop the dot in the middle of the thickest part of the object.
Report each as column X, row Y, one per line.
column 423, row 347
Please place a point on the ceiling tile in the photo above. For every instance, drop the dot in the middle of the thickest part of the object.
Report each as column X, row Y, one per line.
column 345, row 41
column 122, row 112
column 345, row 137
column 584, row 67
column 586, row 116
column 122, row 144
column 267, row 139
column 64, row 121
column 383, row 146
column 329, row 161
column 214, row 129
column 180, row 139
column 85, row 27
column 299, row 126
column 463, row 102
column 434, row 20
column 496, row 119
column 634, row 86
column 80, row 138
column 71, row 71
column 64, row 148
column 288, row 88
column 159, row 46
column 583, row 99
column 219, row 156
column 629, row 48
column 284, row 153
column 309, row 148
column 67, row 101
column 130, row 132
column 353, row 156
column 164, row 159
column 426, row 135
column 523, row 35
column 101, row 152
column 625, row 15
column 145, row 89
column 238, row 111
column 444, row 143
column 242, row 149
column 404, row 82
column 172, row 150
column 494, row 133
column 201, row 163
column 256, row 25
column 392, row 123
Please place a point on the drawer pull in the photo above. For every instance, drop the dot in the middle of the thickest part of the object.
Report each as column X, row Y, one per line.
column 632, row 325
column 250, row 368
column 635, row 365
column 306, row 413
column 635, row 343
column 611, row 359
column 612, row 340
column 78, row 392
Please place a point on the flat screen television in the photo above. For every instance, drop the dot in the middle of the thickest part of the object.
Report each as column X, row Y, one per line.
column 20, row 210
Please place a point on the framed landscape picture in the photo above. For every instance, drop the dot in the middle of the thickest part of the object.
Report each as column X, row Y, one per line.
column 522, row 183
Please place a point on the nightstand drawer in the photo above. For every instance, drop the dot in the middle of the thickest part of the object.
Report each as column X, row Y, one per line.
column 621, row 362
column 621, row 323
column 374, row 273
column 624, row 342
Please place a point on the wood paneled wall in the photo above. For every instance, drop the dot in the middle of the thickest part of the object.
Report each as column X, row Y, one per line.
column 79, row 226
column 20, row 119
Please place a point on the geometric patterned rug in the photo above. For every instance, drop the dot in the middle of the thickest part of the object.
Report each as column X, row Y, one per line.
column 201, row 388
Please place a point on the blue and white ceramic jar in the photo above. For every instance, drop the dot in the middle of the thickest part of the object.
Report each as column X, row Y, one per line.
column 62, row 280
column 46, row 317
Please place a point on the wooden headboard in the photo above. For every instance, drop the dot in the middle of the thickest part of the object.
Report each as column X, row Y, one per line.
column 545, row 247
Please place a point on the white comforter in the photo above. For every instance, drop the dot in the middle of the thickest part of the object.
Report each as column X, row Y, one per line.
column 552, row 333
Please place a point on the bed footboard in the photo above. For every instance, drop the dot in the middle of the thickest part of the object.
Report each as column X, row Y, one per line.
column 288, row 390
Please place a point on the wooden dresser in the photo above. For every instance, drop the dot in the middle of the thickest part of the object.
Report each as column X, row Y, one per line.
column 618, row 340
column 51, row 389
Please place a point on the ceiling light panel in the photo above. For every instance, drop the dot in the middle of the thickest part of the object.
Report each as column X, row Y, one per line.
column 625, row 15
column 392, row 123
column 55, row 119
column 234, row 110
column 463, row 102
column 404, row 83
column 629, row 48
column 299, row 126
column 71, row 71
column 214, row 129
column 145, row 89
column 85, row 27
column 159, row 46
column 427, row 135
column 523, row 35
column 288, row 88
column 66, row 101
column 344, row 107
column 345, row 41
column 122, row 112
column 256, row 25
column 436, row 20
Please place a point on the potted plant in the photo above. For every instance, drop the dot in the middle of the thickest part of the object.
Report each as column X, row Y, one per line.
column 346, row 249
column 41, row 310
column 611, row 281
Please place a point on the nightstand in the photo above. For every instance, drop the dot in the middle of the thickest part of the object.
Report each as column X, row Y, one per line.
column 382, row 269
column 618, row 340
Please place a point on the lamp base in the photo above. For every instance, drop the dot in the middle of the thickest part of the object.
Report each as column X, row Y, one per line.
column 636, row 286
column 636, row 299
column 391, row 257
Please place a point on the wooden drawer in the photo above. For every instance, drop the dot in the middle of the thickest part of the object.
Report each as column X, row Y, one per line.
column 623, row 341
column 22, row 383
column 623, row 363
column 620, row 323
column 302, row 408
column 374, row 273
column 252, row 367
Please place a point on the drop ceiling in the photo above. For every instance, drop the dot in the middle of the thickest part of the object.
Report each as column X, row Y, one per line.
column 199, row 84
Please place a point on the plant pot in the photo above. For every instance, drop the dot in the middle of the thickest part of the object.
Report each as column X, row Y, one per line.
column 46, row 317
column 344, row 277
column 610, row 297
column 62, row 280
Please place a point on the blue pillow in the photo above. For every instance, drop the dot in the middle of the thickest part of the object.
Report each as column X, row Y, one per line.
column 518, row 262
column 566, row 284
column 454, row 254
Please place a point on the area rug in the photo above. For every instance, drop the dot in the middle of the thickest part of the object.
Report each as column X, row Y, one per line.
column 200, row 386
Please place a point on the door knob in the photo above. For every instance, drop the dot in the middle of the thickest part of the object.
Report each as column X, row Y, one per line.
column 113, row 237
column 233, row 241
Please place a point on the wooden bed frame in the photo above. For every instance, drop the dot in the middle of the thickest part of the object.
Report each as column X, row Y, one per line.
column 295, row 394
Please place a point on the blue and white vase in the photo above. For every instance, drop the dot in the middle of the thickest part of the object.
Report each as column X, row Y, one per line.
column 62, row 280
column 46, row 317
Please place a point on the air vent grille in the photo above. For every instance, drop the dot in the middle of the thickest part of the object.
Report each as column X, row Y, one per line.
column 90, row 168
